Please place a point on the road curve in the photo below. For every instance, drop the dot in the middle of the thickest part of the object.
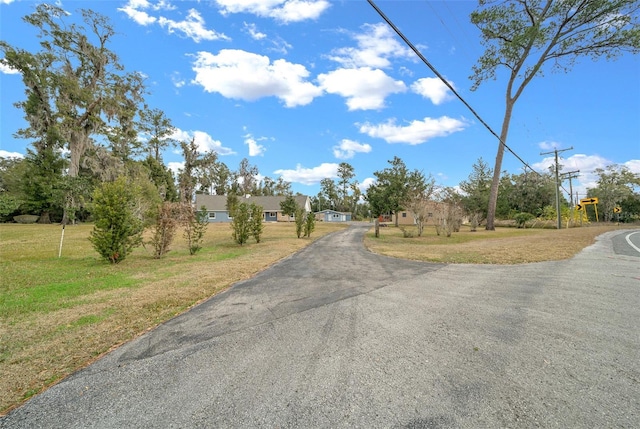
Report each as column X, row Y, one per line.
column 336, row 336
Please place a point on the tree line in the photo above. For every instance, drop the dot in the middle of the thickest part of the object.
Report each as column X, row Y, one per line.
column 85, row 118
column 522, row 197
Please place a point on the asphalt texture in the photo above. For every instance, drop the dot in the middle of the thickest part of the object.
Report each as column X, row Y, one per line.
column 336, row 336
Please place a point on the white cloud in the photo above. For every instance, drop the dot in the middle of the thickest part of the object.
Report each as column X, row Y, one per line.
column 4, row 68
column 203, row 140
column 193, row 26
column 348, row 148
column 309, row 176
column 364, row 88
column 163, row 5
column 548, row 145
column 177, row 80
column 366, row 183
column 243, row 75
column 433, row 89
column 134, row 10
column 285, row 11
column 375, row 46
column 416, row 132
column 280, row 45
column 633, row 165
column 5, row 1
column 175, row 167
column 252, row 30
column 442, row 176
column 7, row 154
column 255, row 149
column 586, row 164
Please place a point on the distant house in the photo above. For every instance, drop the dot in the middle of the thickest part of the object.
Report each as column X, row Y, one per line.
column 216, row 206
column 332, row 216
column 405, row 218
column 433, row 212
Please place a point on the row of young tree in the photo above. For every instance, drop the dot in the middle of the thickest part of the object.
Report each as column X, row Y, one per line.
column 121, row 216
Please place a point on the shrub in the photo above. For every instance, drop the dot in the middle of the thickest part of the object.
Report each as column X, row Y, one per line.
column 9, row 205
column 522, row 219
column 117, row 231
column 300, row 220
column 309, row 224
column 240, row 223
column 164, row 228
column 406, row 233
column 256, row 221
column 195, row 226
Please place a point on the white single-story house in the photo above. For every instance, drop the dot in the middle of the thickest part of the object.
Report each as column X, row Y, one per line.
column 216, row 206
column 332, row 216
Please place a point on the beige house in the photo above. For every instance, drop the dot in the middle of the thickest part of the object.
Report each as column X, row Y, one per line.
column 433, row 210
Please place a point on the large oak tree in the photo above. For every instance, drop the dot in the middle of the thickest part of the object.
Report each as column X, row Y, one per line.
column 75, row 86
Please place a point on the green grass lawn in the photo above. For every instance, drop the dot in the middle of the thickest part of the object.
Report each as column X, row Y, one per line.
column 57, row 314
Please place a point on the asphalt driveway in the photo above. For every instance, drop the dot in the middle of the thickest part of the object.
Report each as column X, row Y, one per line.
column 336, row 336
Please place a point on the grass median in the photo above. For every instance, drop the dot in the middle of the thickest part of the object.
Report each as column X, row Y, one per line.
column 502, row 246
column 59, row 314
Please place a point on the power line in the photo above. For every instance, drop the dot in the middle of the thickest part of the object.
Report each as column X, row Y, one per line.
column 433, row 69
column 461, row 30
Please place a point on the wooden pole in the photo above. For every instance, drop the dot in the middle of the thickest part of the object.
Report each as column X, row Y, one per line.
column 61, row 239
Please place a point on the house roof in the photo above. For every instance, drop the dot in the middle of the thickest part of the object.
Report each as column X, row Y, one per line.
column 333, row 212
column 268, row 203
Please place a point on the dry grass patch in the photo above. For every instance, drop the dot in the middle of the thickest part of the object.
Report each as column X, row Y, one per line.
column 503, row 246
column 59, row 314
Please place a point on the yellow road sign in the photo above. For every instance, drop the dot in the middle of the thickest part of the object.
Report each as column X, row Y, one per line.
column 579, row 207
column 592, row 200
column 617, row 210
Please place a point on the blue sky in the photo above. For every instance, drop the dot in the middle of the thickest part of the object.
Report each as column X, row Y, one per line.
column 298, row 86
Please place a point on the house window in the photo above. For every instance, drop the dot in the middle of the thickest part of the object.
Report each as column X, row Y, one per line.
column 272, row 214
column 212, row 215
column 336, row 216
column 404, row 214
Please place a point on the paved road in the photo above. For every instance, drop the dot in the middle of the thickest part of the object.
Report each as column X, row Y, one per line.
column 627, row 243
column 338, row 337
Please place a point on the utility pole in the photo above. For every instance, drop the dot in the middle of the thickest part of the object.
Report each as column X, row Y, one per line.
column 555, row 151
column 570, row 175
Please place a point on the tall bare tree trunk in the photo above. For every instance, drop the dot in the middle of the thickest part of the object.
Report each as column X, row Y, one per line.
column 493, row 196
